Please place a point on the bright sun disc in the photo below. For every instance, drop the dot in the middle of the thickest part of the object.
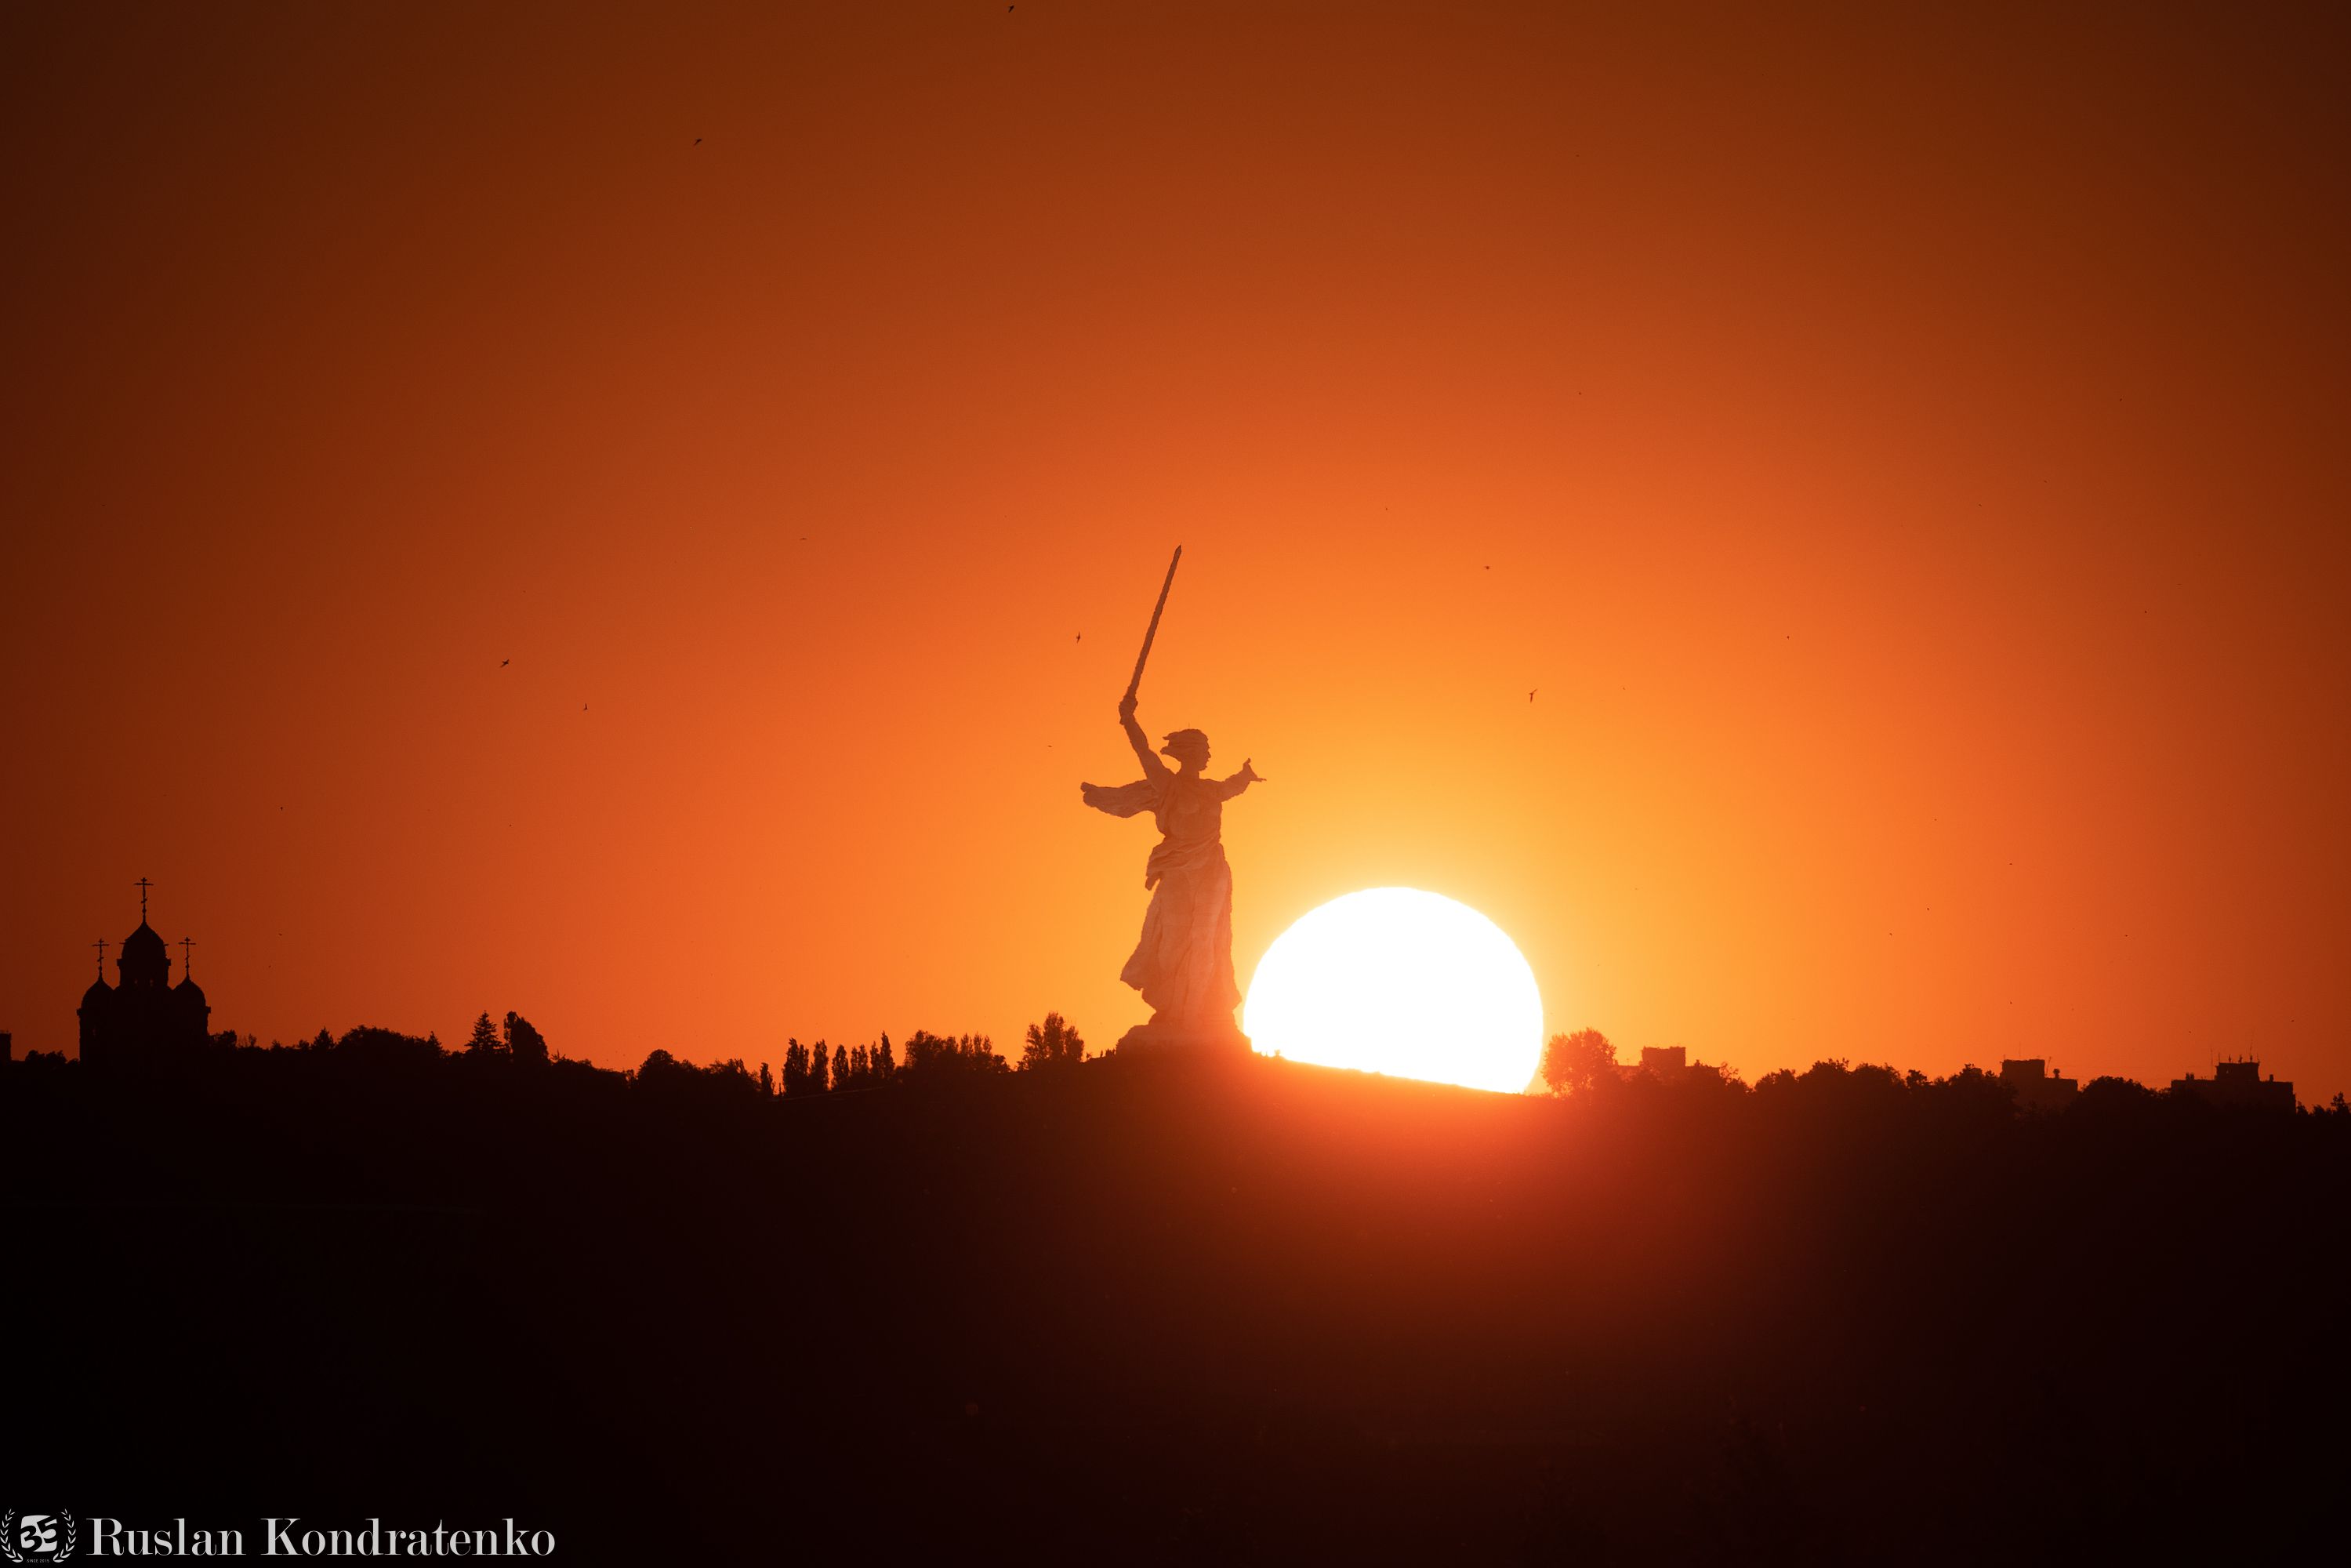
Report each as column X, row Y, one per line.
column 1396, row 981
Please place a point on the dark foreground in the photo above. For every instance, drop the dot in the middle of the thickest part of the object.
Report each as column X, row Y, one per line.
column 1175, row 1311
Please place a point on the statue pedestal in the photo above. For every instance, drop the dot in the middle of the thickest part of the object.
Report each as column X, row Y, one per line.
column 1190, row 1039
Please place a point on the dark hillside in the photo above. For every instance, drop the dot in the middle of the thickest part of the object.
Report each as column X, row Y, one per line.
column 1170, row 1309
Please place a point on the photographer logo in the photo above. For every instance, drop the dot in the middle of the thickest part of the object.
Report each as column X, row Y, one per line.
column 36, row 1537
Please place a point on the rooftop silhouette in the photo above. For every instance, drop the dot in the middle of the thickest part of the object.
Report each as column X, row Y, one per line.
column 2238, row 1083
column 2036, row 1086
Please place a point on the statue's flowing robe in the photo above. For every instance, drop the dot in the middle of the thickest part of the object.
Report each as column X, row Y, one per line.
column 1184, row 963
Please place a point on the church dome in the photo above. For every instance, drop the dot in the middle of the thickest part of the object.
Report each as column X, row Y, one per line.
column 188, row 992
column 98, row 995
column 144, row 960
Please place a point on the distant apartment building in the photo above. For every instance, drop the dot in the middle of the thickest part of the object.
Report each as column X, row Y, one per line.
column 2038, row 1086
column 2238, row 1083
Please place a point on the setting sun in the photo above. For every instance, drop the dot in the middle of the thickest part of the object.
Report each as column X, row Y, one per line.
column 1396, row 981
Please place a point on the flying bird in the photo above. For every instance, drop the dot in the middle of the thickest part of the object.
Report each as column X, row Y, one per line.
column 504, row 663
column 1531, row 697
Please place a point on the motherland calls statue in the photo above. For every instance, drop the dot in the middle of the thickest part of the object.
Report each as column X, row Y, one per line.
column 1184, row 963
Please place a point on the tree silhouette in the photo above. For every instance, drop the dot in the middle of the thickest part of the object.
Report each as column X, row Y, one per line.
column 1053, row 1043
column 665, row 1075
column 931, row 1058
column 372, row 1046
column 1572, row 1064
column 484, row 1040
column 525, row 1043
column 840, row 1075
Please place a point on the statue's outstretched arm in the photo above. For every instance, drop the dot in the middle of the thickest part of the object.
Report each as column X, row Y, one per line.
column 1152, row 765
column 1229, row 788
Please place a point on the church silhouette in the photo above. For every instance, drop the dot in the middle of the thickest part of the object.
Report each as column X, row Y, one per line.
column 143, row 1018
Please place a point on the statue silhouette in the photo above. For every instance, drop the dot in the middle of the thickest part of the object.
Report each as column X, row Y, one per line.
column 1183, row 964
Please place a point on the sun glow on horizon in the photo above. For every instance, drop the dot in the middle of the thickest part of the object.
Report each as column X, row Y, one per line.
column 1403, row 982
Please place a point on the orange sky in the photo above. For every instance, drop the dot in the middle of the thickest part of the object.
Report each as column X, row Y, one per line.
column 1904, row 458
